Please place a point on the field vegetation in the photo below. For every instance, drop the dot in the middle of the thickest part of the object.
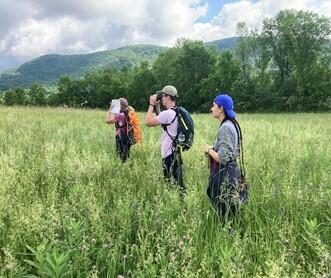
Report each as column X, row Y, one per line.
column 70, row 208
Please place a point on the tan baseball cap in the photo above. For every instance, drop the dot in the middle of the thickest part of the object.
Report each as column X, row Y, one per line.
column 170, row 90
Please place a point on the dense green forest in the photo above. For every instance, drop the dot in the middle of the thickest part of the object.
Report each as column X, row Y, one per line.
column 284, row 67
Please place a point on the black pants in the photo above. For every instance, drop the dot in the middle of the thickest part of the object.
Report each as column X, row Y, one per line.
column 123, row 147
column 173, row 168
column 223, row 189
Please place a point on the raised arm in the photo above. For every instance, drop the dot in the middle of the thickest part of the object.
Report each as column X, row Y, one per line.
column 150, row 120
column 110, row 118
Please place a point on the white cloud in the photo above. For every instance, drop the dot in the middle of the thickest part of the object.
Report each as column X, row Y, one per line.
column 90, row 25
column 253, row 14
column 36, row 37
column 29, row 28
column 324, row 8
column 12, row 14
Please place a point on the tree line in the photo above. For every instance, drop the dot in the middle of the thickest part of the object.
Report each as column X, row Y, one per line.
column 284, row 67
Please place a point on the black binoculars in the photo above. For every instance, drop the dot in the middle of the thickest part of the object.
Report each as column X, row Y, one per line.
column 159, row 96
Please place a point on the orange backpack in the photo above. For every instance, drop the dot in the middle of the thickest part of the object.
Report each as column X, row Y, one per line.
column 134, row 126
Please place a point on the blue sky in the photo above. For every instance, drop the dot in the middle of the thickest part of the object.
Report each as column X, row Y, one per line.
column 214, row 6
column 31, row 28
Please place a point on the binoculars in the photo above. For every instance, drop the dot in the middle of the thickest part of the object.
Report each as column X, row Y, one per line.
column 159, row 96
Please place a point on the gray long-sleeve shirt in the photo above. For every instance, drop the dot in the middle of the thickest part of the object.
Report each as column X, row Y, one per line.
column 226, row 142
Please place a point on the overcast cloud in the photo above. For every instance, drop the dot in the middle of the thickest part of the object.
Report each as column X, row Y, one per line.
column 30, row 28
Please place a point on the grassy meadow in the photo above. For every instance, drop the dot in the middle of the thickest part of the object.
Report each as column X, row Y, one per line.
column 70, row 208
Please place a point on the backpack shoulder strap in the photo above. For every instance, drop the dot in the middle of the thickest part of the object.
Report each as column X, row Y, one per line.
column 164, row 126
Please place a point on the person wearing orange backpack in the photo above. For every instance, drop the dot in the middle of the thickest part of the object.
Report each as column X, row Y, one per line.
column 120, row 119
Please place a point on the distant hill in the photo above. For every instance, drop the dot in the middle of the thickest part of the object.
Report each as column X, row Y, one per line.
column 47, row 69
column 228, row 43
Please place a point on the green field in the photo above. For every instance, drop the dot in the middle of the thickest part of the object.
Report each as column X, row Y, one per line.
column 69, row 208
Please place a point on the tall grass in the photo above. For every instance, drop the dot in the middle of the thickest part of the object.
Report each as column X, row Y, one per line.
column 70, row 208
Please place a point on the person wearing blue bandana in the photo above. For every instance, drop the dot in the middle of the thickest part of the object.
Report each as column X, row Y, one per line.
column 226, row 188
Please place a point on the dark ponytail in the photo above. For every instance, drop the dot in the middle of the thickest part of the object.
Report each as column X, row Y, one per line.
column 241, row 148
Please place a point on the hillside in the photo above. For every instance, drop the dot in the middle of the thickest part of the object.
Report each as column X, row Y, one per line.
column 228, row 43
column 48, row 68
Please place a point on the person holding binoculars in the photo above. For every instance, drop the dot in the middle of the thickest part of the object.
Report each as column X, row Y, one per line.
column 171, row 158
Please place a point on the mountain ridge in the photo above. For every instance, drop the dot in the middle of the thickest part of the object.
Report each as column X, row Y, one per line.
column 47, row 69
